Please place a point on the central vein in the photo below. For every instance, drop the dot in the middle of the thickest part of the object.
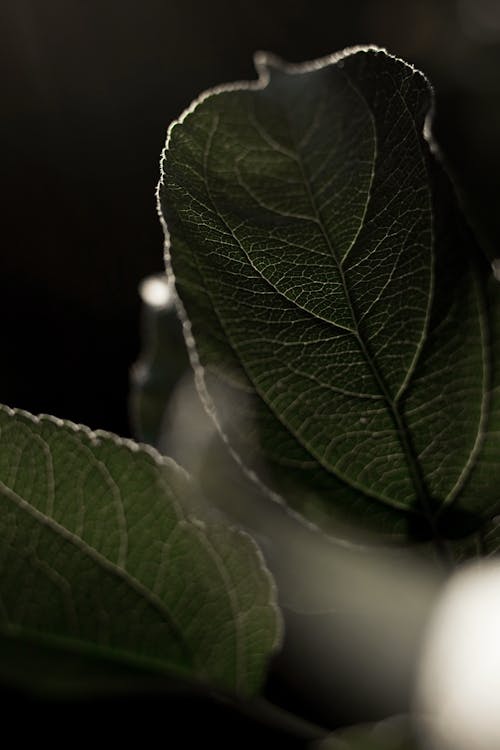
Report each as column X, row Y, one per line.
column 413, row 463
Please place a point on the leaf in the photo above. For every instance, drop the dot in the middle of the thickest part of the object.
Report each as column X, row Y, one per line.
column 334, row 298
column 32, row 668
column 101, row 553
column 162, row 361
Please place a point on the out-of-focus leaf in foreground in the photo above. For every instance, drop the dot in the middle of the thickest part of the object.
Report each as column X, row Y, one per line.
column 101, row 552
column 336, row 299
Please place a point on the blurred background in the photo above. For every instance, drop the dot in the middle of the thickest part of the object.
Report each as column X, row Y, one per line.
column 90, row 89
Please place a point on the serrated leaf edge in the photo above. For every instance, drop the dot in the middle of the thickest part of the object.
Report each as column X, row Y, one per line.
column 264, row 62
column 160, row 461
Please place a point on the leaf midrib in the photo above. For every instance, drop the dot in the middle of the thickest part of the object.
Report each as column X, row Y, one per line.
column 107, row 565
column 361, row 488
column 412, row 461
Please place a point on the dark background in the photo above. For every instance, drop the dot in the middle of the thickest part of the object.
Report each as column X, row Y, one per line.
column 91, row 86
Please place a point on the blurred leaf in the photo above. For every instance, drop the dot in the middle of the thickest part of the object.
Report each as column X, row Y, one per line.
column 101, row 554
column 335, row 295
column 161, row 363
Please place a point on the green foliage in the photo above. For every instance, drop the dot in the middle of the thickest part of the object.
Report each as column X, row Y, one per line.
column 337, row 300
column 101, row 552
column 343, row 327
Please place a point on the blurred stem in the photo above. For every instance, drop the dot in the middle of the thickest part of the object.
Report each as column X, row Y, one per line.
column 274, row 717
column 445, row 554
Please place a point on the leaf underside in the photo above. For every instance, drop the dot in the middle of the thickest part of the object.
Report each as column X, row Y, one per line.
column 341, row 311
column 100, row 553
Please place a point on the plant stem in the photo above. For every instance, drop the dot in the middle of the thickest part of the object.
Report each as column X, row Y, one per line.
column 274, row 717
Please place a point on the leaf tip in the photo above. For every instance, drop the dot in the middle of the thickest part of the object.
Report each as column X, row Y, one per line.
column 267, row 63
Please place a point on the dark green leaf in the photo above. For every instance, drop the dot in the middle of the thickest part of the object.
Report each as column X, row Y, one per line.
column 335, row 295
column 62, row 672
column 101, row 553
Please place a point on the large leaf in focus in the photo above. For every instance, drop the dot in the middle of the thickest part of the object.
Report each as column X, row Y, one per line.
column 100, row 553
column 336, row 298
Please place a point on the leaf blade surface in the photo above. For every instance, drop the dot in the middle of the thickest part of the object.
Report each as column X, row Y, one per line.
column 327, row 289
column 103, row 548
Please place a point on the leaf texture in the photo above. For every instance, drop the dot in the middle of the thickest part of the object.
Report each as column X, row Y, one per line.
column 335, row 295
column 100, row 552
